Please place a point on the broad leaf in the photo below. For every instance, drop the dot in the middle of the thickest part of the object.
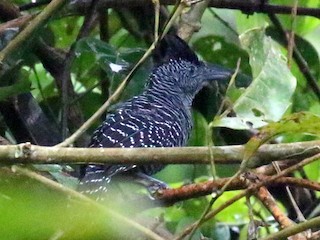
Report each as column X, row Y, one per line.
column 268, row 96
column 302, row 122
column 21, row 86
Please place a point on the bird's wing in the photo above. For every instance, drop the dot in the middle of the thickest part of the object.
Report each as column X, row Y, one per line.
column 127, row 128
column 139, row 125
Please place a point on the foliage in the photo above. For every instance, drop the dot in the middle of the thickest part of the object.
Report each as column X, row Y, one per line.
column 280, row 100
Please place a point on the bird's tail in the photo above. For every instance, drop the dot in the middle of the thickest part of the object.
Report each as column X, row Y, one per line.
column 96, row 180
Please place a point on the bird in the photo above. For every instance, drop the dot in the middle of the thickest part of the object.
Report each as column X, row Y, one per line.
column 159, row 117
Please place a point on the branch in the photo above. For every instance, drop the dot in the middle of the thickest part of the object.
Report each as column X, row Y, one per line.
column 28, row 153
column 248, row 7
column 15, row 23
column 289, row 231
column 270, row 203
column 247, row 192
column 190, row 21
column 24, row 35
column 73, row 112
column 172, row 195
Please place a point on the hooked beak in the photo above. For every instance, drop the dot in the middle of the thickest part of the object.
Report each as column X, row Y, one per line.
column 215, row 72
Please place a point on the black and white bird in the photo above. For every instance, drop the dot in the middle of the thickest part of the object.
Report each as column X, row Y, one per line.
column 159, row 117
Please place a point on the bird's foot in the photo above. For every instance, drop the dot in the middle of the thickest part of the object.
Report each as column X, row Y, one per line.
column 153, row 185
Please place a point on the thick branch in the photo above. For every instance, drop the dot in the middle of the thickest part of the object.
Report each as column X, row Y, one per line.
column 190, row 22
column 248, row 7
column 173, row 195
column 27, row 153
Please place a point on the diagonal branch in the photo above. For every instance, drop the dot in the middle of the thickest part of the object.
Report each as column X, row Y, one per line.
column 170, row 196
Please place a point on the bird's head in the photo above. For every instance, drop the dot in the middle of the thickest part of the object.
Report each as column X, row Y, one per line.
column 179, row 70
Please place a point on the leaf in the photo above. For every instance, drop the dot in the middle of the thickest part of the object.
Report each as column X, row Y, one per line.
column 21, row 86
column 110, row 59
column 302, row 122
column 215, row 48
column 268, row 96
column 199, row 135
column 308, row 52
column 93, row 54
column 33, row 210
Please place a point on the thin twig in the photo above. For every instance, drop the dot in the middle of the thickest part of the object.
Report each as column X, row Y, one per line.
column 292, row 230
column 290, row 196
column 291, row 34
column 67, row 91
column 104, row 36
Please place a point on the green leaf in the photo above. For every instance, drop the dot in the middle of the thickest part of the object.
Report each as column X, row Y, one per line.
column 109, row 58
column 268, row 96
column 307, row 50
column 22, row 86
column 215, row 49
column 93, row 54
column 302, row 122
column 33, row 210
column 199, row 135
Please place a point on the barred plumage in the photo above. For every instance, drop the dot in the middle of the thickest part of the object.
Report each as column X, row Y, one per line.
column 159, row 117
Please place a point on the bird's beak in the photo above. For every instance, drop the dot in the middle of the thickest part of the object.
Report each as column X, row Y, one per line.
column 216, row 72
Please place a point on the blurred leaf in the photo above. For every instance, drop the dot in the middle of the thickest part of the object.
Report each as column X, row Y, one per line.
column 245, row 22
column 93, row 54
column 199, row 135
column 32, row 210
column 303, row 24
column 224, row 24
column 21, row 86
column 215, row 49
column 309, row 169
column 109, row 59
column 268, row 96
column 221, row 232
column 236, row 212
column 65, row 30
column 186, row 222
column 244, row 233
column 60, row 173
column 303, row 122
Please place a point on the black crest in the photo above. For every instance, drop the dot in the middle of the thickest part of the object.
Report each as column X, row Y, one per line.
column 173, row 47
